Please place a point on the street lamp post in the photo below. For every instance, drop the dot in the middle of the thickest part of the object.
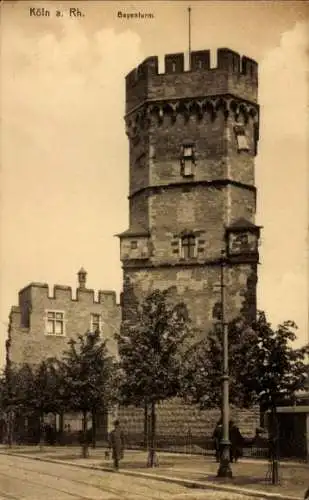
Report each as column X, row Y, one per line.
column 224, row 470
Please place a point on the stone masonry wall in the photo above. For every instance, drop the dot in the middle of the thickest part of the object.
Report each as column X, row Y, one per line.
column 179, row 420
column 234, row 74
column 198, row 287
column 198, row 209
column 206, row 134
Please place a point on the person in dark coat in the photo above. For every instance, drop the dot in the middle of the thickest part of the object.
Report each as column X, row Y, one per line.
column 236, row 440
column 217, row 436
column 116, row 441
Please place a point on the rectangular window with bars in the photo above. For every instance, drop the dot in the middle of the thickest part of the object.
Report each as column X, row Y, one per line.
column 55, row 324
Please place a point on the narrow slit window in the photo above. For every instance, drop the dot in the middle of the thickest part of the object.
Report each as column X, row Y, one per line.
column 187, row 160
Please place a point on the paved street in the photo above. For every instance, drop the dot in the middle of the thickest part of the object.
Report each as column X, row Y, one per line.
column 26, row 479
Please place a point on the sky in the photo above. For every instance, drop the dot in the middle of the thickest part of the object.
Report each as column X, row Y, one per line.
column 64, row 152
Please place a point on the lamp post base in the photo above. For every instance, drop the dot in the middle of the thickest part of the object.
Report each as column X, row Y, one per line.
column 225, row 470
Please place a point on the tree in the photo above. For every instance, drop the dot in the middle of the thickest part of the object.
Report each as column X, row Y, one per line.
column 41, row 391
column 278, row 372
column 88, row 378
column 151, row 349
column 13, row 398
column 202, row 367
column 264, row 369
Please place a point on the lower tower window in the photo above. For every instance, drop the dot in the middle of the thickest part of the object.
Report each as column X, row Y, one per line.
column 188, row 247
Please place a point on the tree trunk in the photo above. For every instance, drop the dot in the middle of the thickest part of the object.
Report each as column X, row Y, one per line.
column 10, row 420
column 146, row 426
column 94, row 429
column 85, row 450
column 274, row 447
column 61, row 426
column 152, row 456
column 42, row 431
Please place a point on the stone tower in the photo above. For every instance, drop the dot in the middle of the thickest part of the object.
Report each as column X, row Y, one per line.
column 193, row 140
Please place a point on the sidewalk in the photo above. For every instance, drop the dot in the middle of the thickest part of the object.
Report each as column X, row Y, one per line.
column 251, row 476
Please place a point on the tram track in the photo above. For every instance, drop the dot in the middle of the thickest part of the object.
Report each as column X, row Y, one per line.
column 117, row 493
column 36, row 483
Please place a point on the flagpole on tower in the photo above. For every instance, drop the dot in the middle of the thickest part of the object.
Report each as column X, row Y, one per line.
column 189, row 12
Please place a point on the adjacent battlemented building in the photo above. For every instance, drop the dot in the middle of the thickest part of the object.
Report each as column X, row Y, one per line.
column 40, row 328
column 42, row 323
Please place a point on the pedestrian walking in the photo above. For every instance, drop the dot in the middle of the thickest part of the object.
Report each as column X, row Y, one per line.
column 116, row 442
column 217, row 436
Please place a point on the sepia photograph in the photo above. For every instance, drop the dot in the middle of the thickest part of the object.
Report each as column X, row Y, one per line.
column 154, row 250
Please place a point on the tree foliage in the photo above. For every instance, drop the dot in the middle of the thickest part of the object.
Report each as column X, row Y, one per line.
column 13, row 395
column 88, row 377
column 151, row 349
column 263, row 365
column 88, row 371
column 83, row 380
column 264, row 368
column 277, row 370
column 42, row 383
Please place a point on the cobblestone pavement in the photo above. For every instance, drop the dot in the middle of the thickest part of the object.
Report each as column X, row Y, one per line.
column 28, row 479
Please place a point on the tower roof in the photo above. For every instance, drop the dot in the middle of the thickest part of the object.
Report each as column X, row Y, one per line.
column 243, row 223
column 135, row 230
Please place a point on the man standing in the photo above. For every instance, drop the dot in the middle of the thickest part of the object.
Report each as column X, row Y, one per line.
column 217, row 436
column 237, row 442
column 116, row 441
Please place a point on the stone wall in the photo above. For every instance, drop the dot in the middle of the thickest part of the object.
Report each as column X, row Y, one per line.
column 179, row 420
column 198, row 287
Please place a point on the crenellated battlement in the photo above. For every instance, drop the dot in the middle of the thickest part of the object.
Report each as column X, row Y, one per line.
column 39, row 291
column 48, row 317
column 233, row 73
column 200, row 60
